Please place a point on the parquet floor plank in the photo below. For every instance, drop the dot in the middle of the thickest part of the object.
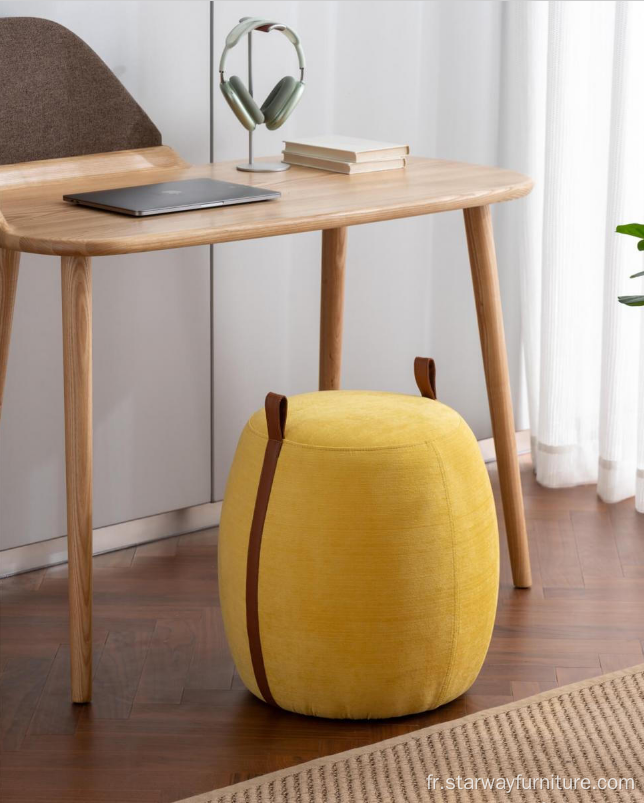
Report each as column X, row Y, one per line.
column 170, row 716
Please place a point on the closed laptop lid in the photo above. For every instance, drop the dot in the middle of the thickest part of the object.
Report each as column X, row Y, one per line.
column 172, row 196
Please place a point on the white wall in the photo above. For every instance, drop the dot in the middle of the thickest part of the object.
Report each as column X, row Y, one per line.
column 428, row 73
column 151, row 311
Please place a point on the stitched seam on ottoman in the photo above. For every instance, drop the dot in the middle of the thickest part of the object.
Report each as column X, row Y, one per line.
column 396, row 447
column 455, row 597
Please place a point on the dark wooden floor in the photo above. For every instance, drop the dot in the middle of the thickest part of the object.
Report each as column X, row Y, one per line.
column 171, row 719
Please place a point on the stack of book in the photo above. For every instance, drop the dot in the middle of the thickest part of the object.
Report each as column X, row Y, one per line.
column 345, row 154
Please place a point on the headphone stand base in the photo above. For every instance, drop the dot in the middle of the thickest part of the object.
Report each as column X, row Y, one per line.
column 263, row 167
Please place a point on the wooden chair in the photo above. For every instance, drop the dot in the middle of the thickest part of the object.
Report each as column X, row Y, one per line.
column 58, row 98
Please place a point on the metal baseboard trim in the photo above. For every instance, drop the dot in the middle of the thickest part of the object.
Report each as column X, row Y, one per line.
column 42, row 554
column 489, row 452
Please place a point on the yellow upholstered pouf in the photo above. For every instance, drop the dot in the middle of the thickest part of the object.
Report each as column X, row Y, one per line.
column 361, row 581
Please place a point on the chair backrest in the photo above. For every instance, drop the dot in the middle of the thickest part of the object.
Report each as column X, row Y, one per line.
column 58, row 98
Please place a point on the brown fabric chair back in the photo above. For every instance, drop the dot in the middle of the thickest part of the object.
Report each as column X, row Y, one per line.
column 58, row 98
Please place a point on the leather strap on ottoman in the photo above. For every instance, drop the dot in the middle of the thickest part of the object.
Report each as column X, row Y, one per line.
column 276, row 408
column 425, row 375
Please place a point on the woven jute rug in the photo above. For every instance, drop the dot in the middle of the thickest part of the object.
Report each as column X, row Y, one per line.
column 589, row 734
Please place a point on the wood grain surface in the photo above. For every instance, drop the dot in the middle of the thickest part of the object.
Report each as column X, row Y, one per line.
column 334, row 257
column 487, row 294
column 9, row 264
column 76, row 285
column 33, row 216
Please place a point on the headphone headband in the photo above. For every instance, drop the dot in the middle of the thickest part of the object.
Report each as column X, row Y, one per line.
column 253, row 24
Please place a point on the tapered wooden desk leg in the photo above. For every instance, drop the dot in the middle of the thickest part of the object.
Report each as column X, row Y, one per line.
column 77, row 360
column 9, row 262
column 480, row 240
column 334, row 253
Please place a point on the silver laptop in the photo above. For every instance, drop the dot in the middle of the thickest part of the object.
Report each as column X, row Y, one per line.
column 171, row 196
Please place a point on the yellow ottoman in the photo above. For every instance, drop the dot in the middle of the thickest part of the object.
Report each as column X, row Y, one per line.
column 358, row 553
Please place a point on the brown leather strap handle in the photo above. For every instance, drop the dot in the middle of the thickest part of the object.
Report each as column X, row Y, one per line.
column 425, row 374
column 276, row 407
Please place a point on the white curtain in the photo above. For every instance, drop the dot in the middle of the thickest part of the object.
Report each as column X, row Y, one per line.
column 573, row 118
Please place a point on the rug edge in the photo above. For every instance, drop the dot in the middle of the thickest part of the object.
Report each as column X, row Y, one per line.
column 207, row 797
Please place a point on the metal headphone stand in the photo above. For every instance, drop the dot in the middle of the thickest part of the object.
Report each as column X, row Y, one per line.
column 250, row 166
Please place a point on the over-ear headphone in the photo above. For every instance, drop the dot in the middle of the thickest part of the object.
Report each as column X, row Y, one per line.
column 284, row 96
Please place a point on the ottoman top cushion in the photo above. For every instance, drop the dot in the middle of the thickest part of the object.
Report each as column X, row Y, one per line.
column 362, row 419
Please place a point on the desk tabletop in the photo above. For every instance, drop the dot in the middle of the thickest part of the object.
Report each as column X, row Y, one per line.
column 34, row 218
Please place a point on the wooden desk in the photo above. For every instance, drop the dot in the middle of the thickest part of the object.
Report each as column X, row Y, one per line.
column 33, row 218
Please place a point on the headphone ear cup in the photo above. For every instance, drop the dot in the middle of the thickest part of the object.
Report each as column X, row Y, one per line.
column 246, row 99
column 281, row 101
column 242, row 103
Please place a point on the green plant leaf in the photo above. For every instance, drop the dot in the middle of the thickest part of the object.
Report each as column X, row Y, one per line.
column 641, row 273
column 632, row 301
column 640, row 245
column 634, row 229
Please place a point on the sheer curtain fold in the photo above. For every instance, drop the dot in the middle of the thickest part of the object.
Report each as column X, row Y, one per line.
column 582, row 348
